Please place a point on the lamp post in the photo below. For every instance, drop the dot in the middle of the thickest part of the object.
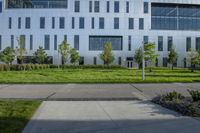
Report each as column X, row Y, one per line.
column 143, row 62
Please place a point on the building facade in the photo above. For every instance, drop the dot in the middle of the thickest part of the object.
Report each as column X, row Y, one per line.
column 88, row 24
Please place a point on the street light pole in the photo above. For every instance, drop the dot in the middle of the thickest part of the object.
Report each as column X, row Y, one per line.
column 143, row 62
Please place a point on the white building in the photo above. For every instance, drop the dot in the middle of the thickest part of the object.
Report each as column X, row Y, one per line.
column 87, row 24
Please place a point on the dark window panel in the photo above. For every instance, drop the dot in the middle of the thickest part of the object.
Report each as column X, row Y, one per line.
column 188, row 43
column 101, row 23
column 146, row 7
column 76, row 6
column 47, row 42
column 76, row 42
column 42, row 22
column 62, row 23
column 31, row 42
column 116, row 6
column 27, row 22
column 160, row 43
column 141, row 23
column 96, row 6
column 81, row 23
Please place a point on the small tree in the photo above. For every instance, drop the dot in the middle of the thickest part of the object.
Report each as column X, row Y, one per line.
column 107, row 55
column 75, row 57
column 20, row 49
column 64, row 50
column 172, row 57
column 138, row 57
column 150, row 54
column 40, row 55
column 194, row 58
column 7, row 55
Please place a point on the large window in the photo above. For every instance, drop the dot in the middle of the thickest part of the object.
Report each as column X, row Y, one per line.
column 101, row 23
column 96, row 6
column 131, row 23
column 160, row 43
column 175, row 16
column 188, row 43
column 81, row 23
column 116, row 23
column 146, row 7
column 108, row 6
column 36, row 3
column 47, row 42
column 141, row 23
column 62, row 23
column 97, row 42
column 0, row 6
column 42, row 22
column 170, row 42
column 116, row 6
column 28, row 23
column 77, row 6
column 198, row 43
column 76, row 42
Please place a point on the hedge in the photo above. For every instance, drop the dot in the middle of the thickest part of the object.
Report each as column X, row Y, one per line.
column 29, row 67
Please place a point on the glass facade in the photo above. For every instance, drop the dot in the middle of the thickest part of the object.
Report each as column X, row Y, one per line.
column 175, row 16
column 97, row 42
column 36, row 3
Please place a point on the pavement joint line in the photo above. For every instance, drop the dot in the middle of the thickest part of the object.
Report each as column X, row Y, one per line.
column 50, row 95
column 3, row 87
column 117, row 126
column 135, row 87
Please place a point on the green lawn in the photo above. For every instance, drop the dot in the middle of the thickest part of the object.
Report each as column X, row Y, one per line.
column 14, row 115
column 98, row 75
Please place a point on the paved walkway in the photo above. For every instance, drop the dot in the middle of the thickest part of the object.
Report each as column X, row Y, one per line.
column 108, row 117
column 93, row 91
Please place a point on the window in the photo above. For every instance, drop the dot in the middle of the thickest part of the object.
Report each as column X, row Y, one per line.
column 170, row 42
column 141, row 23
column 76, row 42
column 73, row 22
column 36, row 4
column 22, row 40
column 46, row 42
column 145, row 39
column 95, row 60
column 55, row 42
column 12, row 41
column 198, row 43
column 65, row 37
column 120, row 61
column 81, row 61
column 0, row 42
column 97, row 42
column 116, row 6
column 116, row 23
column 127, row 7
column 10, row 23
column 165, row 61
column 31, row 42
column 160, row 43
column 101, row 23
column 0, row 6
column 92, row 23
column 129, row 43
column 131, row 23
column 146, row 7
column 53, row 22
column 108, row 6
column 90, row 6
column 96, row 6
column 62, row 22
column 188, row 44
column 19, row 23
column 81, row 23
column 42, row 22
column 27, row 22
column 77, row 6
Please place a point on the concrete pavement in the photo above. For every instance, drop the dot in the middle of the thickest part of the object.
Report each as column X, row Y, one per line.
column 108, row 117
column 92, row 91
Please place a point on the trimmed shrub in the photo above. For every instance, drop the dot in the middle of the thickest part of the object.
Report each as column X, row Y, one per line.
column 173, row 96
column 195, row 95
